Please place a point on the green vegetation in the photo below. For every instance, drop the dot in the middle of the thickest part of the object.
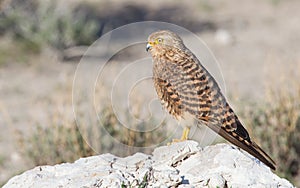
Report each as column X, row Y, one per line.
column 44, row 25
column 141, row 184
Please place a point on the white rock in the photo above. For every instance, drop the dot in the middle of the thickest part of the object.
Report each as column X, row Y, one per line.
column 183, row 165
column 175, row 153
column 216, row 180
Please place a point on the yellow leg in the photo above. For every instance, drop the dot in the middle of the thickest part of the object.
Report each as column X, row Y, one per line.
column 184, row 136
column 185, row 133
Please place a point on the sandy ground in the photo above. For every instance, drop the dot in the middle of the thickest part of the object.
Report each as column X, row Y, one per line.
column 255, row 43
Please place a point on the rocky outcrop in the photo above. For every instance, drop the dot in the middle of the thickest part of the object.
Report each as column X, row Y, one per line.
column 183, row 164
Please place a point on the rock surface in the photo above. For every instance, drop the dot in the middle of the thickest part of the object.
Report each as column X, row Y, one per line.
column 183, row 164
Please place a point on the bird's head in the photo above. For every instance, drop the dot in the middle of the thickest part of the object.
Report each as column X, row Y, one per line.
column 160, row 41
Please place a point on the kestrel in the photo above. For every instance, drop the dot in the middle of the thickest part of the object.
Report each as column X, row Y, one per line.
column 185, row 87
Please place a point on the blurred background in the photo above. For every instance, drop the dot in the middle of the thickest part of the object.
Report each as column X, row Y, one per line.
column 256, row 43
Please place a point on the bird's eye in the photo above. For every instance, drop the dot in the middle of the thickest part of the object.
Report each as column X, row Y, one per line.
column 159, row 40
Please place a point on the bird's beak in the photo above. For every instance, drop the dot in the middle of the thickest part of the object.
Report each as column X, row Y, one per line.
column 149, row 45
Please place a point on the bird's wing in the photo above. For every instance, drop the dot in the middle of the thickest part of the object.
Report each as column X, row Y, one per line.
column 187, row 87
column 225, row 122
column 168, row 96
column 222, row 118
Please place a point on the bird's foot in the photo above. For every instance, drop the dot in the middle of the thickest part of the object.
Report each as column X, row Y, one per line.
column 176, row 141
column 184, row 136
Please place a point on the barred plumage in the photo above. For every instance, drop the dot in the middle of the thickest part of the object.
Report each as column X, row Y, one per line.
column 185, row 86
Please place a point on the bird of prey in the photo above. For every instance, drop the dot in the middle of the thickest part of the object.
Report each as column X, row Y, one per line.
column 185, row 87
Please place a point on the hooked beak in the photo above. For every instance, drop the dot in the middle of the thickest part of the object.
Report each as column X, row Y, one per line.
column 149, row 45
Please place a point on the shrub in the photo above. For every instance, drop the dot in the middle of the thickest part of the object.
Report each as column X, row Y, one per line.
column 36, row 24
column 276, row 126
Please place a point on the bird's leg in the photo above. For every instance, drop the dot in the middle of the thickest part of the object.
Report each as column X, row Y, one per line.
column 184, row 136
column 185, row 133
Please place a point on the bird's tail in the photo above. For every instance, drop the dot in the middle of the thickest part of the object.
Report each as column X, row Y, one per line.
column 247, row 145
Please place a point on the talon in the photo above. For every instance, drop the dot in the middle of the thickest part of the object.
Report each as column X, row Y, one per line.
column 184, row 136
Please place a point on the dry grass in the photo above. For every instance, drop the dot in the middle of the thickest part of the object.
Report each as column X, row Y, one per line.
column 275, row 123
column 57, row 142
column 62, row 139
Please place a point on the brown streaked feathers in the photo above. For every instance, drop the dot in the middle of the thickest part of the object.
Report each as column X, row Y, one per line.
column 184, row 86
